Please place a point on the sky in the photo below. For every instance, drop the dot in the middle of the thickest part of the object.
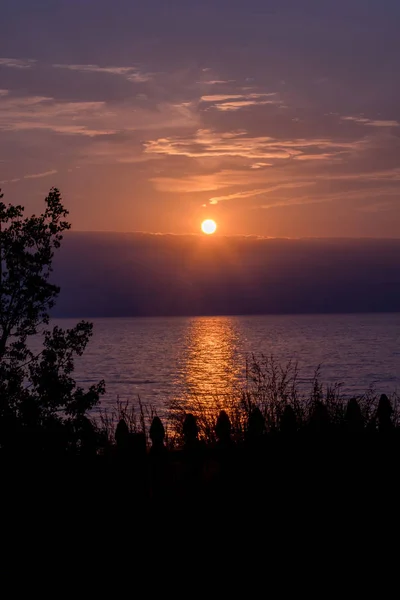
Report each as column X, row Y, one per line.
column 275, row 118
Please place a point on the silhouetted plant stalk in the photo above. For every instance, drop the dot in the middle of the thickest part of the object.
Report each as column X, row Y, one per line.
column 136, row 415
column 269, row 387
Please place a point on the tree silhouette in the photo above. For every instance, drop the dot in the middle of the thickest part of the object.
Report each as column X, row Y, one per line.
column 37, row 391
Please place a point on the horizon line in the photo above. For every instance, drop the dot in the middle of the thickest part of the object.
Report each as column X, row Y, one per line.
column 233, row 235
column 224, row 315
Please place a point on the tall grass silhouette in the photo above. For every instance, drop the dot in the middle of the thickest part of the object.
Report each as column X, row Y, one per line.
column 270, row 387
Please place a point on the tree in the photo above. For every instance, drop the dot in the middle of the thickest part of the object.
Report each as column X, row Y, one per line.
column 38, row 395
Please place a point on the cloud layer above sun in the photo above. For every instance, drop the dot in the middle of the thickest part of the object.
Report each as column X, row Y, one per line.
column 271, row 118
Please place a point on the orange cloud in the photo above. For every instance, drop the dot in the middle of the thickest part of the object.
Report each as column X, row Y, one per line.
column 251, row 193
column 208, row 143
column 231, row 102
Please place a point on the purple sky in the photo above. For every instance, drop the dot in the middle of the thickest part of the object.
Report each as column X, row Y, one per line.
column 275, row 118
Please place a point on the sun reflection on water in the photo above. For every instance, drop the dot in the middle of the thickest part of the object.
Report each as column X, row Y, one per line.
column 211, row 364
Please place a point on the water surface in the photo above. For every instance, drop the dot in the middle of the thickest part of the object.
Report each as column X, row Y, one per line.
column 163, row 358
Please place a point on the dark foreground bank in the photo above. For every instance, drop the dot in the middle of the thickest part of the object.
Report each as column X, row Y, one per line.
column 320, row 463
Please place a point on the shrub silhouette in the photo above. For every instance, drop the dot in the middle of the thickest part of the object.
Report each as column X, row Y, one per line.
column 319, row 419
column 122, row 436
column 190, row 430
column 256, row 424
column 353, row 417
column 384, row 414
column 157, row 433
column 38, row 394
column 288, row 422
column 223, row 428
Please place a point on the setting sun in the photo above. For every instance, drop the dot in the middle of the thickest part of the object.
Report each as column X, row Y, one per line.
column 209, row 226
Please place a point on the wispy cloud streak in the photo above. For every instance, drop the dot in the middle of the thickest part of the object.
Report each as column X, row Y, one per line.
column 265, row 191
column 130, row 73
column 39, row 175
column 232, row 102
column 372, row 122
column 208, row 143
column 16, row 63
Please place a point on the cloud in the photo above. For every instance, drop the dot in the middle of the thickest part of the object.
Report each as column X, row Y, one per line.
column 360, row 194
column 232, row 102
column 324, row 156
column 238, row 104
column 272, row 180
column 16, row 63
column 209, row 143
column 189, row 184
column 226, row 178
column 237, row 195
column 10, row 180
column 89, row 119
column 235, row 158
column 372, row 122
column 38, row 175
column 33, row 176
column 251, row 193
column 227, row 97
column 361, row 120
column 130, row 73
column 40, row 112
column 217, row 81
column 386, row 175
column 113, row 150
column 380, row 123
column 287, row 202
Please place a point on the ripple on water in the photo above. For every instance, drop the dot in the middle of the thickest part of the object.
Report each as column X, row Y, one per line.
column 164, row 358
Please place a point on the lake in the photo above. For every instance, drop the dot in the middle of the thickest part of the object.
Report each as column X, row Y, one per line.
column 160, row 359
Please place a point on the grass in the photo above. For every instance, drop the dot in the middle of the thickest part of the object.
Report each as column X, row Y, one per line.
column 136, row 415
column 269, row 386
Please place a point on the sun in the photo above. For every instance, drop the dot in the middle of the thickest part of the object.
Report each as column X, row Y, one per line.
column 208, row 226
